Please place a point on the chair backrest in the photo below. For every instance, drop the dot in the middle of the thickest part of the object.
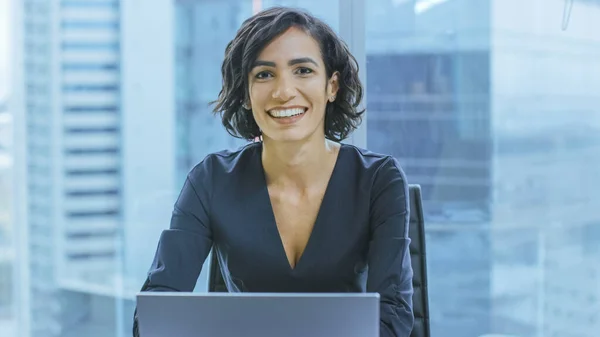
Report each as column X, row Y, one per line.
column 418, row 258
column 419, row 264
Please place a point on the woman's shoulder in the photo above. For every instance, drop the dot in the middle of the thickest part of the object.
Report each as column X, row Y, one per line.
column 367, row 160
column 376, row 172
column 227, row 162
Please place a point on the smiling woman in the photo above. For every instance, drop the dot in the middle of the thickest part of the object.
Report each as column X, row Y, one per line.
column 297, row 211
column 267, row 50
column 289, row 94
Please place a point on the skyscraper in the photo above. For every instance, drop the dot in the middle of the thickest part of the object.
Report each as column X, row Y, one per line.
column 7, row 260
column 95, row 158
column 70, row 179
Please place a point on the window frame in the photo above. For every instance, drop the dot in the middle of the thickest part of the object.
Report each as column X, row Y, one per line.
column 352, row 29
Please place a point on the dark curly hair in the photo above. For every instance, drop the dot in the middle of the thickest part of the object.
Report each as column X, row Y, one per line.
column 341, row 116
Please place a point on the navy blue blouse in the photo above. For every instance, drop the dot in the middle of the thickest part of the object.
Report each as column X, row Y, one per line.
column 359, row 241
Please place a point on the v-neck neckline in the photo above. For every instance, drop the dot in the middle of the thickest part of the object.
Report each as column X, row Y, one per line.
column 272, row 226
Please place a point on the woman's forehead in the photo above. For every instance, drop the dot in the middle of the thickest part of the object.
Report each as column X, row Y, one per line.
column 294, row 43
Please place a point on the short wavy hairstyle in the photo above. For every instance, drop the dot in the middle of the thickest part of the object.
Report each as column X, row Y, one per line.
column 341, row 116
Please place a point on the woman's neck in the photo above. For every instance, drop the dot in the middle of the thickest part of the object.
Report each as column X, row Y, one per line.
column 298, row 165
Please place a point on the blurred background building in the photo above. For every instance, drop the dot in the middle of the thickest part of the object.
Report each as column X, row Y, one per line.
column 7, row 254
column 489, row 105
column 84, row 166
column 68, row 157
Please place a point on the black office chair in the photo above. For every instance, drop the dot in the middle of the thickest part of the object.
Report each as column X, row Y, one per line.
column 419, row 264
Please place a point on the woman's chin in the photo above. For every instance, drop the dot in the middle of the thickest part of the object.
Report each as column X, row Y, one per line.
column 286, row 136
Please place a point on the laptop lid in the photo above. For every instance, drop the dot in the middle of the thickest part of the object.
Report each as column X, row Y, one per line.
column 163, row 314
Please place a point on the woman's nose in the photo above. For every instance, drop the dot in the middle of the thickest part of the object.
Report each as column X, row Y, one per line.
column 284, row 90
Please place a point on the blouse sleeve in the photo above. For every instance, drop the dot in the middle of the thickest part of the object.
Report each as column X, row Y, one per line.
column 183, row 248
column 390, row 270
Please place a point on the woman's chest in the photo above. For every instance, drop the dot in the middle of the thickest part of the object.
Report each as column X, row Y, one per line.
column 324, row 241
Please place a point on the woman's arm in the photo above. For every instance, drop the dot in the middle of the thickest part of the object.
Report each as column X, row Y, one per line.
column 183, row 248
column 390, row 269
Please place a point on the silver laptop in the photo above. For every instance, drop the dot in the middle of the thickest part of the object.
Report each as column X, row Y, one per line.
column 166, row 314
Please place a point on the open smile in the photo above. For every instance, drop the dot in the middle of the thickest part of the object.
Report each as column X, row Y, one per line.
column 287, row 115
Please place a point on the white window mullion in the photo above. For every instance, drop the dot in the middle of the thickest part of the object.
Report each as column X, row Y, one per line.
column 353, row 30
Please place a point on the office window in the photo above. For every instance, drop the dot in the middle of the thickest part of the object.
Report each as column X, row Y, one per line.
column 490, row 106
column 471, row 99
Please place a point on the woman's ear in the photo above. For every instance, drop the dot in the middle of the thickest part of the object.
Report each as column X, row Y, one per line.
column 246, row 103
column 333, row 85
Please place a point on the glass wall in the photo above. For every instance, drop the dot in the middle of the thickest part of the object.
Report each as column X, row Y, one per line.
column 429, row 105
column 491, row 106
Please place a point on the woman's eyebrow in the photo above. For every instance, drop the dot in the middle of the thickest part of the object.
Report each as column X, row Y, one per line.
column 292, row 62
column 259, row 63
column 302, row 60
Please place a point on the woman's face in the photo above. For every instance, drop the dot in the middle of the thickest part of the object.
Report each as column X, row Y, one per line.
column 289, row 88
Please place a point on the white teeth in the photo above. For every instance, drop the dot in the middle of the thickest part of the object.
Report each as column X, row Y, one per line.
column 286, row 112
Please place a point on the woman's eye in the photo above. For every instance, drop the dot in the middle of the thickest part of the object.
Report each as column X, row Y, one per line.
column 304, row 71
column 263, row 75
